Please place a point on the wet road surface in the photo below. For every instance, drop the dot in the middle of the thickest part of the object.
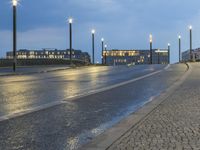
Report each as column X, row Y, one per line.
column 76, row 122
column 20, row 93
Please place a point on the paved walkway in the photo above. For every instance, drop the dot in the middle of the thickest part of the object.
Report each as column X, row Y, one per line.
column 175, row 124
column 170, row 122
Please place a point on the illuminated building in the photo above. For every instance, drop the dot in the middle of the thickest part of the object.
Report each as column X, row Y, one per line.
column 49, row 54
column 195, row 54
column 123, row 57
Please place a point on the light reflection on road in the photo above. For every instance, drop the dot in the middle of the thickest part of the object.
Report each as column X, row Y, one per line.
column 74, row 123
column 20, row 93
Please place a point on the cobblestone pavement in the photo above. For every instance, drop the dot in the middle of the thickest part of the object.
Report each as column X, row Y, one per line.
column 175, row 124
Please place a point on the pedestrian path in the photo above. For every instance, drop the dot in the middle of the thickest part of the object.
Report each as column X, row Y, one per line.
column 175, row 124
column 170, row 122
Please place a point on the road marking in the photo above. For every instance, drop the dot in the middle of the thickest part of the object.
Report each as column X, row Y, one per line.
column 167, row 67
column 115, row 86
column 31, row 110
column 65, row 101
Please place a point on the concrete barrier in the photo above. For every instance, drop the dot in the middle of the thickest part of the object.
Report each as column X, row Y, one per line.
column 32, row 62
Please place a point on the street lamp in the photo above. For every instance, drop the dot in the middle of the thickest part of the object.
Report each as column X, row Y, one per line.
column 190, row 28
column 169, row 53
column 106, row 47
column 105, row 53
column 14, row 2
column 151, row 53
column 179, row 39
column 93, row 32
column 102, row 44
column 158, row 51
column 70, row 20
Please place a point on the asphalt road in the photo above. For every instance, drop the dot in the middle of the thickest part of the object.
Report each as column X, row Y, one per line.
column 74, row 122
column 24, row 92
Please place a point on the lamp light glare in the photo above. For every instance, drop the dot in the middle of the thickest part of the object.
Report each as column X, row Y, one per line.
column 190, row 27
column 102, row 39
column 179, row 37
column 151, row 38
column 70, row 20
column 14, row 2
column 168, row 44
column 106, row 46
column 93, row 31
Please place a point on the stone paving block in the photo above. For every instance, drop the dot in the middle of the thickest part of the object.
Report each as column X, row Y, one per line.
column 174, row 125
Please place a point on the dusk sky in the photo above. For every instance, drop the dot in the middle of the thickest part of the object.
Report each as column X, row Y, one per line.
column 125, row 24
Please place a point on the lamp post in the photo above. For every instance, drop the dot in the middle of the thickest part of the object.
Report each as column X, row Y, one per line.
column 158, row 56
column 191, row 57
column 106, row 54
column 14, row 2
column 93, row 32
column 151, row 53
column 70, row 38
column 179, row 39
column 169, row 53
column 102, row 44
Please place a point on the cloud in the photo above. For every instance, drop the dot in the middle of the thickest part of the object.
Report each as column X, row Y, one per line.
column 125, row 24
column 34, row 39
column 98, row 5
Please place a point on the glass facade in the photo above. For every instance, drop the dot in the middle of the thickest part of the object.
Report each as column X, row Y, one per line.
column 125, row 57
column 195, row 55
column 49, row 54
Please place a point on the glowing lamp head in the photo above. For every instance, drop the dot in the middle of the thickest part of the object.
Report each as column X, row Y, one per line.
column 14, row 2
column 106, row 46
column 179, row 37
column 151, row 38
column 70, row 20
column 93, row 31
column 190, row 27
column 102, row 39
column 168, row 44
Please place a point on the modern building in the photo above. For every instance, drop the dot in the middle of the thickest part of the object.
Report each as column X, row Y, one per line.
column 49, row 54
column 195, row 55
column 124, row 57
